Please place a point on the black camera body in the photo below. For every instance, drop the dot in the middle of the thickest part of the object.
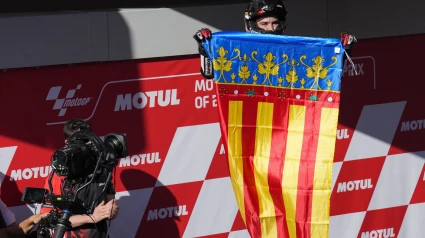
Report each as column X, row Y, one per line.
column 84, row 156
column 84, row 149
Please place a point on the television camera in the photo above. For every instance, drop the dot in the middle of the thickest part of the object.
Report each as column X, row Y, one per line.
column 84, row 156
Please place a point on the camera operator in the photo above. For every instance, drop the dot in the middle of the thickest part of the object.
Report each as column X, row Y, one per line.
column 90, row 225
column 23, row 228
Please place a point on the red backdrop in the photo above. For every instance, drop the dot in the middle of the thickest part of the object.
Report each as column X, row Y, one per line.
column 176, row 175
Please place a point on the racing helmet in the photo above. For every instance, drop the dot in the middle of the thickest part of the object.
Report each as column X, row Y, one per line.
column 263, row 8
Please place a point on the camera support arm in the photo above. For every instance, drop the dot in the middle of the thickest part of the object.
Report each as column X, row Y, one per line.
column 49, row 181
column 91, row 180
column 108, row 181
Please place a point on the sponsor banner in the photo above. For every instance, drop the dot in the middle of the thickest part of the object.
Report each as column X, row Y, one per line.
column 378, row 173
column 382, row 223
column 355, row 185
column 169, row 116
column 169, row 209
column 176, row 164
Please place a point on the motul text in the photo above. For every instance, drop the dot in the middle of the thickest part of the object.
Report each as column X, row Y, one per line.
column 140, row 100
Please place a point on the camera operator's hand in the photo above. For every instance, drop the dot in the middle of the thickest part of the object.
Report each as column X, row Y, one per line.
column 115, row 209
column 29, row 223
column 102, row 211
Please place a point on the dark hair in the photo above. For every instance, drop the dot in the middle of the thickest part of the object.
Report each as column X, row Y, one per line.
column 75, row 125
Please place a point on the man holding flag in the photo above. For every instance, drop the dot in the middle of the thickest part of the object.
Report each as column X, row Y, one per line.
column 264, row 17
column 278, row 107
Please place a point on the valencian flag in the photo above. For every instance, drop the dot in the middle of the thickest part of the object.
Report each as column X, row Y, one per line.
column 278, row 105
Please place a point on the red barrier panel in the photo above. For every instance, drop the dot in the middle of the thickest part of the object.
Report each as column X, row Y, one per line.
column 176, row 174
column 378, row 172
column 175, row 183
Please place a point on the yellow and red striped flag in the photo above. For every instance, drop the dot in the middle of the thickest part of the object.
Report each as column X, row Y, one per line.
column 278, row 105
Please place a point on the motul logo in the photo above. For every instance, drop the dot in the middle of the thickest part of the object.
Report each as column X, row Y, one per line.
column 62, row 104
column 141, row 159
column 382, row 233
column 30, row 173
column 342, row 134
column 355, row 185
column 167, row 212
column 140, row 100
column 412, row 125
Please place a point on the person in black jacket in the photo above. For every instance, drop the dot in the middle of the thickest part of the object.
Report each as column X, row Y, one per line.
column 261, row 17
column 106, row 207
column 23, row 228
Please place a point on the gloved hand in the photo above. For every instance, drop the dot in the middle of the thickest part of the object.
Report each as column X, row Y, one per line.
column 348, row 40
column 206, row 63
column 203, row 34
column 200, row 36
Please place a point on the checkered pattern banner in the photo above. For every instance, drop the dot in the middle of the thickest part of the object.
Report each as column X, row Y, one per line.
column 175, row 181
column 378, row 173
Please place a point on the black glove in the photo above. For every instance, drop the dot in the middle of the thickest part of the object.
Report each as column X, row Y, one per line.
column 348, row 40
column 200, row 36
column 206, row 63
